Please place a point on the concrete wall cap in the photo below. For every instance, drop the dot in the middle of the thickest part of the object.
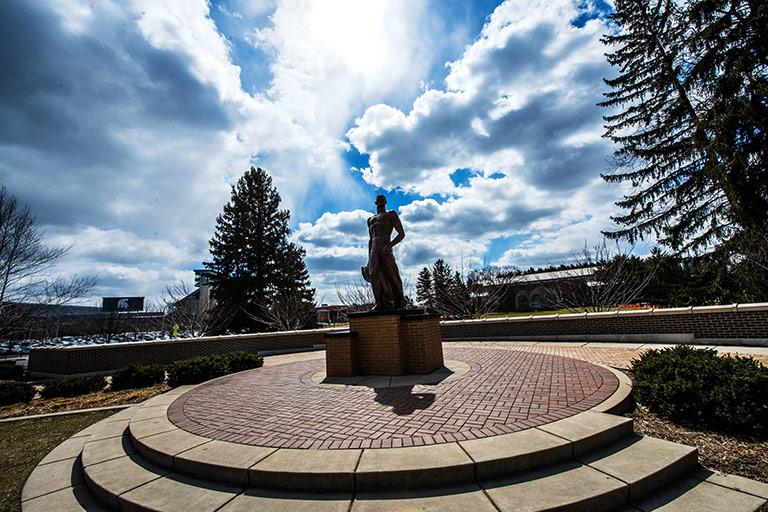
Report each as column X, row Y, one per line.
column 571, row 316
column 673, row 311
column 601, row 314
column 756, row 306
column 636, row 312
column 519, row 318
column 728, row 308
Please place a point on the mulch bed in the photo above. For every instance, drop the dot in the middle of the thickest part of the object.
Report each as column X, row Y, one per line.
column 727, row 453
column 89, row 401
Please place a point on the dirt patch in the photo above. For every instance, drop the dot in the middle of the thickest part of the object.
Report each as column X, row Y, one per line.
column 89, row 401
column 727, row 453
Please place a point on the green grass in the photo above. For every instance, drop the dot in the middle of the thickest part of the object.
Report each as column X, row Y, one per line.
column 24, row 443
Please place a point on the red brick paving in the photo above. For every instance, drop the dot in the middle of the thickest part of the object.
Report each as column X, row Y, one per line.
column 505, row 391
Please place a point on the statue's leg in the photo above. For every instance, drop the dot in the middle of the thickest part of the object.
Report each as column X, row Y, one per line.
column 381, row 293
column 394, row 283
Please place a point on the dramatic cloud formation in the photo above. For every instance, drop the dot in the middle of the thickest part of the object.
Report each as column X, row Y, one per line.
column 124, row 124
column 510, row 148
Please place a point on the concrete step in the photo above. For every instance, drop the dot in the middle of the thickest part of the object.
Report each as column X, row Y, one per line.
column 703, row 490
column 632, row 472
column 161, row 442
column 58, row 483
column 601, row 479
column 643, row 463
column 138, row 460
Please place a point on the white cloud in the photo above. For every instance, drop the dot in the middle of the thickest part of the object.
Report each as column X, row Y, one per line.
column 122, row 247
column 128, row 121
column 332, row 56
column 518, row 112
column 526, row 89
column 184, row 26
column 134, row 117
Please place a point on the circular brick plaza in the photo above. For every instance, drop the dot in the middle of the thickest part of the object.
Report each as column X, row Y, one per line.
column 281, row 406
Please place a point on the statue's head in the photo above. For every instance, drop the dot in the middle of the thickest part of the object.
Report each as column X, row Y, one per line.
column 381, row 200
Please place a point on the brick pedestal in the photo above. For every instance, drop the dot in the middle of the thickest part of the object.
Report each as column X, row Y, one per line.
column 341, row 354
column 390, row 343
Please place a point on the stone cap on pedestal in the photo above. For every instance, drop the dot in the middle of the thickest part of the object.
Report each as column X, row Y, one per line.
column 409, row 313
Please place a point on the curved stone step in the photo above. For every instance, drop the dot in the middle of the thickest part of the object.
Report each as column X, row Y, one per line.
column 643, row 463
column 158, row 440
column 610, row 477
column 704, row 491
column 604, row 484
column 58, row 483
column 600, row 480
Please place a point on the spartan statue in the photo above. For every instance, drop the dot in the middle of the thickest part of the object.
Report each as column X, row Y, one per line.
column 381, row 270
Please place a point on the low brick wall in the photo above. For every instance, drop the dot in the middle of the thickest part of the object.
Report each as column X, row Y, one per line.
column 742, row 324
column 724, row 325
column 105, row 358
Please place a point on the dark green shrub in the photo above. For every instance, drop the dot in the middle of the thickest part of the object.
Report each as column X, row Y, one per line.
column 241, row 361
column 203, row 368
column 73, row 386
column 195, row 370
column 135, row 376
column 11, row 371
column 14, row 392
column 684, row 383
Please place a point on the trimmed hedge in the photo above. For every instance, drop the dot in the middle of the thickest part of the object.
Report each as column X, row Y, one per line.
column 725, row 392
column 241, row 361
column 135, row 376
column 73, row 386
column 10, row 371
column 203, row 368
column 12, row 392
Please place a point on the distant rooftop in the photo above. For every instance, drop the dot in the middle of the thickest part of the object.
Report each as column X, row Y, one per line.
column 555, row 275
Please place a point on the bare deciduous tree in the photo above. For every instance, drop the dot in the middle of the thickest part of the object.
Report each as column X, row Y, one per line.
column 194, row 315
column 286, row 310
column 457, row 296
column 27, row 288
column 108, row 325
column 356, row 295
column 618, row 279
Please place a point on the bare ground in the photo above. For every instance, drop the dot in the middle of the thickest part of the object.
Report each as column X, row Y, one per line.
column 89, row 401
column 727, row 453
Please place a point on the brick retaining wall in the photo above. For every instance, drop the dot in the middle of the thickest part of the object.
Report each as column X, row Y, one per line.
column 742, row 324
column 106, row 358
column 735, row 324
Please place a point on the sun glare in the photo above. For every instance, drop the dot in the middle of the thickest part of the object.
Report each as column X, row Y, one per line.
column 355, row 31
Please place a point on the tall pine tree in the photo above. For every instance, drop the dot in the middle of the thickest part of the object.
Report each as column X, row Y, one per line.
column 255, row 266
column 691, row 108
column 424, row 293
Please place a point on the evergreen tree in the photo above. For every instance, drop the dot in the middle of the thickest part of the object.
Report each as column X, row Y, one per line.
column 254, row 264
column 441, row 283
column 691, row 122
column 424, row 288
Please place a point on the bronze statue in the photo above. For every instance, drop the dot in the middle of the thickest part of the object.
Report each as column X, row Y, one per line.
column 381, row 270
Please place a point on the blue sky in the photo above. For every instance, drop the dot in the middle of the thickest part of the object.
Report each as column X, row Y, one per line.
column 124, row 124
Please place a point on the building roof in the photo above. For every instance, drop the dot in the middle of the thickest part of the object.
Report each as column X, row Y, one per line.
column 540, row 277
